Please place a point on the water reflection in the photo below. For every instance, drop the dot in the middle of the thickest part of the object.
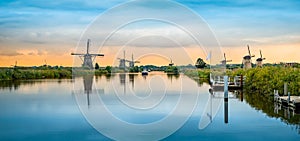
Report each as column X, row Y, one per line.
column 88, row 83
column 131, row 79
column 16, row 84
column 266, row 104
column 171, row 76
column 241, row 117
column 226, row 112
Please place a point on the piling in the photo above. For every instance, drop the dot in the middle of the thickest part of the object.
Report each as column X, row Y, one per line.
column 226, row 112
column 241, row 82
column 225, row 88
column 289, row 98
column 285, row 88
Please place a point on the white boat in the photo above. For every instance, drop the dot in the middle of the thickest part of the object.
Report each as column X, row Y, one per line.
column 144, row 72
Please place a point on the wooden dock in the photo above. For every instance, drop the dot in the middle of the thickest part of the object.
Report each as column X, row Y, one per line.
column 293, row 101
column 236, row 84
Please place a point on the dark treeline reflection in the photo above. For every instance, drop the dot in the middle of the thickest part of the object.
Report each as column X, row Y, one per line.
column 15, row 84
column 173, row 76
column 266, row 104
column 107, row 77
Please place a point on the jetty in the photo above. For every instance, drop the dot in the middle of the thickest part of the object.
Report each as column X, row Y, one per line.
column 217, row 83
column 292, row 103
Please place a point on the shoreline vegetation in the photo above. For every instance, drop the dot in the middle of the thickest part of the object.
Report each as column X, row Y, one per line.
column 260, row 80
column 49, row 72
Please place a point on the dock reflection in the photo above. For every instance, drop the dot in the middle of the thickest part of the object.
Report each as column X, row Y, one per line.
column 218, row 97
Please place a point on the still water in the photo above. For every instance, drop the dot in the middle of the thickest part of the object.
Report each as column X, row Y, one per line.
column 136, row 107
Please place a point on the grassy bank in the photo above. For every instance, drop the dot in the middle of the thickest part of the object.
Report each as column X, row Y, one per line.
column 47, row 73
column 16, row 74
column 198, row 73
column 266, row 80
column 261, row 80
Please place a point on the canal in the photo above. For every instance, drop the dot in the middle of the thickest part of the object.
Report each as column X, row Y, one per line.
column 135, row 107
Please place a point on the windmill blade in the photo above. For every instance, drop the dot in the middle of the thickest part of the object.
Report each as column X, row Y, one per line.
column 96, row 54
column 264, row 58
column 228, row 60
column 88, row 46
column 260, row 54
column 249, row 50
column 137, row 62
column 77, row 54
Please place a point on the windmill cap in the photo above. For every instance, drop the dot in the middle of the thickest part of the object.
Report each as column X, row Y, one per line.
column 259, row 59
column 247, row 57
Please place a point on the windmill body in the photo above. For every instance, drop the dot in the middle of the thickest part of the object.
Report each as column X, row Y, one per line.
column 171, row 63
column 259, row 61
column 122, row 64
column 247, row 62
column 88, row 58
column 132, row 62
column 224, row 62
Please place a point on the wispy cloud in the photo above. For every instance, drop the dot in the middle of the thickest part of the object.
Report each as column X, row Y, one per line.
column 10, row 53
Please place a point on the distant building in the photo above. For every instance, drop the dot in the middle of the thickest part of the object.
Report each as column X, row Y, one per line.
column 291, row 64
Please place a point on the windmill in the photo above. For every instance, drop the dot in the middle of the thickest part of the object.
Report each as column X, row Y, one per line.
column 171, row 63
column 123, row 61
column 15, row 66
column 247, row 63
column 45, row 63
column 132, row 62
column 122, row 64
column 224, row 62
column 259, row 61
column 88, row 58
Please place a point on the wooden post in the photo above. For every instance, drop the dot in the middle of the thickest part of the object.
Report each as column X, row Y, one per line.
column 289, row 97
column 242, row 79
column 285, row 89
column 225, row 88
column 226, row 112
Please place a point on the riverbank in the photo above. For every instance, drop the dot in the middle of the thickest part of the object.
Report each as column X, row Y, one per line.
column 261, row 80
column 47, row 73
column 266, row 80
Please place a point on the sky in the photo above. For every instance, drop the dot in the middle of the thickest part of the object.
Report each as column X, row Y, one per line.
column 34, row 32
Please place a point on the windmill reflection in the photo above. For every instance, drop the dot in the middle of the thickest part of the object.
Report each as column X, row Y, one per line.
column 88, row 83
column 88, row 88
column 131, row 79
column 123, row 77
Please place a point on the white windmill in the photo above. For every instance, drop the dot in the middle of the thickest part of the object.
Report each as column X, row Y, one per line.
column 88, row 58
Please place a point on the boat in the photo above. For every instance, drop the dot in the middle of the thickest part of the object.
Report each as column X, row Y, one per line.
column 144, row 72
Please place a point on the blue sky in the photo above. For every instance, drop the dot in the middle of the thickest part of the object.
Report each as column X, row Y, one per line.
column 39, row 26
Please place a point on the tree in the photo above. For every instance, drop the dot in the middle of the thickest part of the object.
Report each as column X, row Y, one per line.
column 97, row 66
column 200, row 63
column 108, row 69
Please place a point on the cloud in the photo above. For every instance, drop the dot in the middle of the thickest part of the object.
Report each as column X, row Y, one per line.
column 48, row 25
column 10, row 53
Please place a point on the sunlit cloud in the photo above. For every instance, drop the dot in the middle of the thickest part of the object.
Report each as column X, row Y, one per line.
column 53, row 28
